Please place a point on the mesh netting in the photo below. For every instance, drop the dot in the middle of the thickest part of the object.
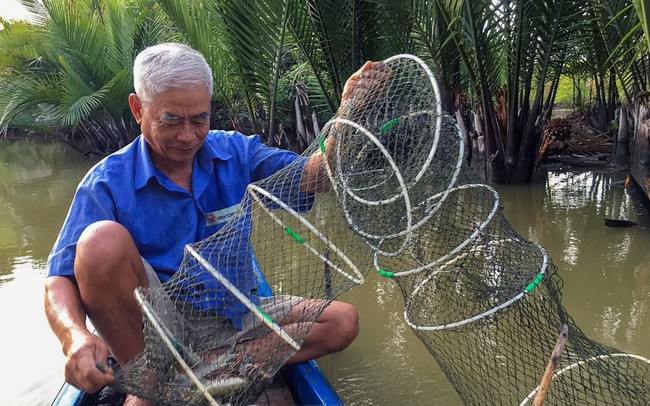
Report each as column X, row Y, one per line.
column 394, row 195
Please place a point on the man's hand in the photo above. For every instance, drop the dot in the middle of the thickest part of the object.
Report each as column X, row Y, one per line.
column 371, row 77
column 86, row 366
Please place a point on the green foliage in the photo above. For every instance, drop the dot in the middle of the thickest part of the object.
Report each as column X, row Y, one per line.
column 259, row 50
column 568, row 91
column 71, row 72
column 642, row 8
column 565, row 92
column 620, row 47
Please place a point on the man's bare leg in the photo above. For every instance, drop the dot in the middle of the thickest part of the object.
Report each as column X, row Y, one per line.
column 108, row 268
column 333, row 331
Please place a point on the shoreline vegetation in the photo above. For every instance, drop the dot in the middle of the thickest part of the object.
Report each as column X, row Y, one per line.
column 584, row 147
column 505, row 69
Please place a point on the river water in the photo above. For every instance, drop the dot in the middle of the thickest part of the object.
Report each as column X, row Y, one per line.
column 606, row 274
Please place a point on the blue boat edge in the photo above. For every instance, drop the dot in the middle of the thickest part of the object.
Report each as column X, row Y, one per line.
column 306, row 381
column 309, row 386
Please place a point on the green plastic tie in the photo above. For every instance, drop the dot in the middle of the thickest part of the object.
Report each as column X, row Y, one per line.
column 266, row 316
column 534, row 283
column 388, row 125
column 294, row 235
column 385, row 273
column 321, row 141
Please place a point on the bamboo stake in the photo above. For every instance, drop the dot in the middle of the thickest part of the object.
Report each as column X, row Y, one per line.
column 547, row 378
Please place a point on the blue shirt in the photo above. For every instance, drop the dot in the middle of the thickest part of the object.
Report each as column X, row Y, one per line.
column 162, row 217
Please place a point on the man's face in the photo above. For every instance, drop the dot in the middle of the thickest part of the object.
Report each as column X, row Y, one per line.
column 174, row 123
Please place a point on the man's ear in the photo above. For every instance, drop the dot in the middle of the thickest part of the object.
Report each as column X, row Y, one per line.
column 136, row 107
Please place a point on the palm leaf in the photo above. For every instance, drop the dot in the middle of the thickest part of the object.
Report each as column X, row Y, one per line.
column 642, row 8
column 84, row 50
column 27, row 95
column 331, row 36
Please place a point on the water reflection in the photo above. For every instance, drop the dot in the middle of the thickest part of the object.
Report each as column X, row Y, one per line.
column 387, row 364
column 37, row 181
column 606, row 273
column 605, row 269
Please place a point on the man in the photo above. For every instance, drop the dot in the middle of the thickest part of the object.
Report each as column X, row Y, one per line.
column 136, row 209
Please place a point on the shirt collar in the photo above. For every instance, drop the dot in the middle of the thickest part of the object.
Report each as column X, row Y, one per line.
column 145, row 170
column 208, row 153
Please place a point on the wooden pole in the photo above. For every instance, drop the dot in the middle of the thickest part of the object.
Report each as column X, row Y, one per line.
column 327, row 274
column 547, row 378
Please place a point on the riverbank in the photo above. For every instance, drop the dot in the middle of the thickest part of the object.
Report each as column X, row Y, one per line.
column 578, row 145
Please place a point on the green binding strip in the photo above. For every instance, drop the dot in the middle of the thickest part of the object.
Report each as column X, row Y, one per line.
column 294, row 235
column 388, row 125
column 385, row 273
column 321, row 142
column 266, row 316
column 534, row 283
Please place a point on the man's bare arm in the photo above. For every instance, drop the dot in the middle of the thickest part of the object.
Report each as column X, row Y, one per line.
column 83, row 349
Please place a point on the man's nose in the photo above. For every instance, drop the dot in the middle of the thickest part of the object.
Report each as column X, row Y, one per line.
column 186, row 132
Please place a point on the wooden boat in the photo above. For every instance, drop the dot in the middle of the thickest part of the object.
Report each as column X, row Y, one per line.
column 306, row 381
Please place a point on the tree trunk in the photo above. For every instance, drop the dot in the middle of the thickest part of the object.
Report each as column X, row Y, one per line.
column 465, row 132
column 494, row 154
column 639, row 162
column 447, row 98
column 301, row 134
column 478, row 146
column 314, row 122
column 621, row 153
column 524, row 170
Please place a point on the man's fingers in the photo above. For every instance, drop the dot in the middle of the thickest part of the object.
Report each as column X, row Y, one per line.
column 363, row 68
column 377, row 70
column 87, row 366
column 362, row 72
column 374, row 73
column 101, row 359
column 372, row 76
column 83, row 381
column 91, row 377
column 366, row 66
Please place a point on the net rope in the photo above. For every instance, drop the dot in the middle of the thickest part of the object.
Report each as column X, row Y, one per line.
column 394, row 195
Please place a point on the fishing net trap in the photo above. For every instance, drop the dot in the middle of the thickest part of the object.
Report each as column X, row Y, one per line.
column 393, row 194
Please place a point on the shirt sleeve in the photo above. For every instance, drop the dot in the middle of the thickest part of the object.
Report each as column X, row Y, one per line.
column 287, row 169
column 265, row 161
column 92, row 202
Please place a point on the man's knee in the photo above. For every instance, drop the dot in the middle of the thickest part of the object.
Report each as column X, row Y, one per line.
column 104, row 246
column 102, row 237
column 347, row 325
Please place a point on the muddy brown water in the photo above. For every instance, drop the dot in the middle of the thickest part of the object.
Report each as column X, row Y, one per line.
column 606, row 273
